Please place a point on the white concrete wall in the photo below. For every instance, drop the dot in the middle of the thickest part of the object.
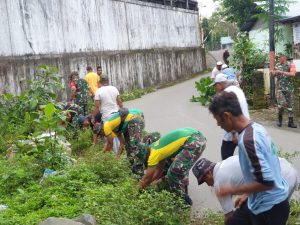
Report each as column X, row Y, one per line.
column 70, row 26
column 138, row 44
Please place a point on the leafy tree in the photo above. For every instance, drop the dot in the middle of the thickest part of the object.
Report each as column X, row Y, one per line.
column 239, row 12
column 214, row 28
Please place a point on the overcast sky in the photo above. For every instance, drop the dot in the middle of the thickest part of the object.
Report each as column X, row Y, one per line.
column 206, row 7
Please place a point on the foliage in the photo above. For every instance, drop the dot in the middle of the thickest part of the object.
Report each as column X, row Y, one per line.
column 239, row 12
column 136, row 93
column 97, row 183
column 100, row 185
column 214, row 28
column 245, row 58
column 206, row 91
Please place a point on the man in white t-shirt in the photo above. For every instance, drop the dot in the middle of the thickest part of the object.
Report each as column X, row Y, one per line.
column 216, row 70
column 221, row 83
column 228, row 173
column 107, row 101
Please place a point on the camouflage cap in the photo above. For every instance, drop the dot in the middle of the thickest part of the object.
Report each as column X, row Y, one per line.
column 104, row 77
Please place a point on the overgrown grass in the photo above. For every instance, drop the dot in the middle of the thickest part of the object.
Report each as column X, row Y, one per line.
column 136, row 93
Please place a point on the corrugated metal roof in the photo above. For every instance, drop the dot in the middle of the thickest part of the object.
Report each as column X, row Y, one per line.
column 226, row 40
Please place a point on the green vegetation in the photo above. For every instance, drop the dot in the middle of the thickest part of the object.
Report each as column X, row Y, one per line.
column 134, row 94
column 206, row 91
column 246, row 58
column 39, row 179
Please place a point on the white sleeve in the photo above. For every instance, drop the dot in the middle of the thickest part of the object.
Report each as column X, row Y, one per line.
column 97, row 95
column 117, row 91
column 226, row 204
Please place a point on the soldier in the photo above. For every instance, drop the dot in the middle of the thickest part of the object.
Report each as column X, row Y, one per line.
column 185, row 145
column 74, row 114
column 82, row 96
column 128, row 126
column 284, row 72
column 79, row 89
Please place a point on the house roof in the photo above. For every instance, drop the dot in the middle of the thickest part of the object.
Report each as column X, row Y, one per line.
column 293, row 15
column 226, row 40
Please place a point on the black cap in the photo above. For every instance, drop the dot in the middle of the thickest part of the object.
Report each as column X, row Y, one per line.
column 201, row 168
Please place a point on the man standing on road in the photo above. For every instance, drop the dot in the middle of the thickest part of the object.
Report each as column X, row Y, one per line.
column 229, row 143
column 226, row 56
column 216, row 70
column 267, row 191
column 185, row 145
column 93, row 80
column 284, row 72
column 228, row 173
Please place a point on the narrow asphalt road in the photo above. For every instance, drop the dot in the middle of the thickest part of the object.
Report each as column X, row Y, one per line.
column 170, row 108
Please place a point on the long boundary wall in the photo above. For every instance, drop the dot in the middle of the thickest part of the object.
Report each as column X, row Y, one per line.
column 138, row 44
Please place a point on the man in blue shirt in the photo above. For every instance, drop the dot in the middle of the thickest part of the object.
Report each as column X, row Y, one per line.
column 264, row 186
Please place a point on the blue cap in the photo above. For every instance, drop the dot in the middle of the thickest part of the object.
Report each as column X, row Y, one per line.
column 81, row 119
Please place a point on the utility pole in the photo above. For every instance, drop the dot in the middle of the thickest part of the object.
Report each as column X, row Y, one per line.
column 272, row 48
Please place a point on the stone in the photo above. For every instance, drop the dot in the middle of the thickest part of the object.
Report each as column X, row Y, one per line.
column 86, row 219
column 60, row 221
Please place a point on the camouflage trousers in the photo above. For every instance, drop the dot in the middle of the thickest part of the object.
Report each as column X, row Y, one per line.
column 84, row 108
column 133, row 143
column 285, row 100
column 178, row 172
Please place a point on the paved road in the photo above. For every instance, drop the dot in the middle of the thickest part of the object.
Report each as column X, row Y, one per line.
column 170, row 108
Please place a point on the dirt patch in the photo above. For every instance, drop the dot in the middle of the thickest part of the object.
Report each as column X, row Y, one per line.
column 269, row 117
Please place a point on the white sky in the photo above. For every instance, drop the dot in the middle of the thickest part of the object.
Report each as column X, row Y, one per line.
column 206, row 7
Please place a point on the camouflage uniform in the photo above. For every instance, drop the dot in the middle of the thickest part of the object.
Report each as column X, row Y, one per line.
column 82, row 95
column 134, row 144
column 75, row 110
column 284, row 90
column 178, row 172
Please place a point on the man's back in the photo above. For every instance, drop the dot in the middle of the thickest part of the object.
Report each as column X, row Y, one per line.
column 241, row 97
column 93, row 81
column 107, row 95
column 228, row 172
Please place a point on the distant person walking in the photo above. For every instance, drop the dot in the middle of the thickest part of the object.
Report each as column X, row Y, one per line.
column 226, row 56
column 93, row 80
column 284, row 72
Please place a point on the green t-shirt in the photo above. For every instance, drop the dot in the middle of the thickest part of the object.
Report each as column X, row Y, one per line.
column 169, row 145
column 112, row 125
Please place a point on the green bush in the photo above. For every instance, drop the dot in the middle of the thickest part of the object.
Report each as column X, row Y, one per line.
column 206, row 91
column 134, row 94
column 101, row 186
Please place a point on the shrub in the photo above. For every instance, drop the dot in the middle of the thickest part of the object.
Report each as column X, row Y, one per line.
column 206, row 91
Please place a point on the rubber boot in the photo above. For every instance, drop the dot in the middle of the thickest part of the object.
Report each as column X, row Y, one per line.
column 279, row 123
column 291, row 123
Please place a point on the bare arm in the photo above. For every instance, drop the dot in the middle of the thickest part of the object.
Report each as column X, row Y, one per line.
column 122, row 141
column 147, row 178
column 119, row 101
column 108, row 144
column 248, row 188
column 292, row 73
column 96, row 108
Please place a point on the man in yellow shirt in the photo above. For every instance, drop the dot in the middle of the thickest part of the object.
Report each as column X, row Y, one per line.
column 185, row 145
column 93, row 80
